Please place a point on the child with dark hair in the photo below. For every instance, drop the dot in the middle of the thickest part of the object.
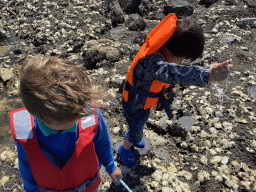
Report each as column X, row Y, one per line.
column 61, row 136
column 155, row 70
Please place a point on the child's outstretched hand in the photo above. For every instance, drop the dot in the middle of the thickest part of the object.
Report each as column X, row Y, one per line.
column 116, row 173
column 220, row 71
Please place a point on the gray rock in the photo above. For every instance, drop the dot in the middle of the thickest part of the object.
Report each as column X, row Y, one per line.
column 2, row 35
column 207, row 2
column 11, row 21
column 96, row 51
column 6, row 74
column 230, row 2
column 116, row 15
column 23, row 35
column 129, row 6
column 77, row 46
column 6, row 49
column 176, row 130
column 92, row 56
column 148, row 147
column 250, row 3
column 18, row 50
column 140, row 38
column 227, row 39
column 246, row 22
column 134, row 52
column 163, row 153
column 144, row 7
column 178, row 7
column 116, row 82
column 112, row 55
column 186, row 122
column 118, row 33
column 158, row 125
column 155, row 139
column 135, row 23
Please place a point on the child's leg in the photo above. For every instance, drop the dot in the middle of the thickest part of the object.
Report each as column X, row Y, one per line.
column 136, row 119
column 136, row 125
column 127, row 144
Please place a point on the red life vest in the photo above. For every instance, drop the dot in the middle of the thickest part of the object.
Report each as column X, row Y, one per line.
column 155, row 40
column 81, row 172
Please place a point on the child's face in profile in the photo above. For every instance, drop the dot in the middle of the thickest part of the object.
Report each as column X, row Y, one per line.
column 61, row 126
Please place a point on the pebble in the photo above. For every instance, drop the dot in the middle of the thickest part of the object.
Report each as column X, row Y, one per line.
column 213, row 152
column 8, row 156
column 157, row 175
column 231, row 184
column 243, row 175
column 203, row 175
column 155, row 184
column 165, row 176
column 216, row 159
column 246, row 184
column 4, row 179
column 116, row 130
column 203, row 160
column 6, row 74
column 218, row 126
column 218, row 178
column 16, row 163
column 155, row 139
column 167, row 189
column 188, row 176
column 204, row 134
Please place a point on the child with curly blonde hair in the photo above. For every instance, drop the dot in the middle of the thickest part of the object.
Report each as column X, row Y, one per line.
column 61, row 136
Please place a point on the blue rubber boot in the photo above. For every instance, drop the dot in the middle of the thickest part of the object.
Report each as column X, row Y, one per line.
column 128, row 158
column 140, row 144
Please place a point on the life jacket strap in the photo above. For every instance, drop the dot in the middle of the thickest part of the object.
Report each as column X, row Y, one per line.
column 78, row 189
column 145, row 93
column 166, row 106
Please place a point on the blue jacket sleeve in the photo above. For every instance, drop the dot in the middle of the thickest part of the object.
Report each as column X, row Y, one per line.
column 29, row 182
column 103, row 145
column 154, row 67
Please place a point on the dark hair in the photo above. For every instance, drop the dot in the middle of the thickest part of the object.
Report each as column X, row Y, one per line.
column 188, row 38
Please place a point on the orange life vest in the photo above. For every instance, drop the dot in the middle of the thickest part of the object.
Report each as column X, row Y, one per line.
column 155, row 40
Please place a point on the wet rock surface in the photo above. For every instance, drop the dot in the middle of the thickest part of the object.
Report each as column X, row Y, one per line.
column 200, row 149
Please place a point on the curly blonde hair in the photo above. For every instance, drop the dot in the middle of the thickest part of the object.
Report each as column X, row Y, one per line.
column 56, row 90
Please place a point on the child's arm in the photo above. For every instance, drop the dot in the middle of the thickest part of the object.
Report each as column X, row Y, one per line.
column 220, row 71
column 29, row 182
column 103, row 148
column 155, row 67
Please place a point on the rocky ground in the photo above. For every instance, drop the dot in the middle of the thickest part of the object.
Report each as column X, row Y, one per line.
column 198, row 150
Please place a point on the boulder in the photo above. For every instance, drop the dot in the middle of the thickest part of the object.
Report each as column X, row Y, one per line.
column 178, row 7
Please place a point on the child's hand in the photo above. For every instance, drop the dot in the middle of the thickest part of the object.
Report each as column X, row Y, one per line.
column 220, row 71
column 116, row 173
